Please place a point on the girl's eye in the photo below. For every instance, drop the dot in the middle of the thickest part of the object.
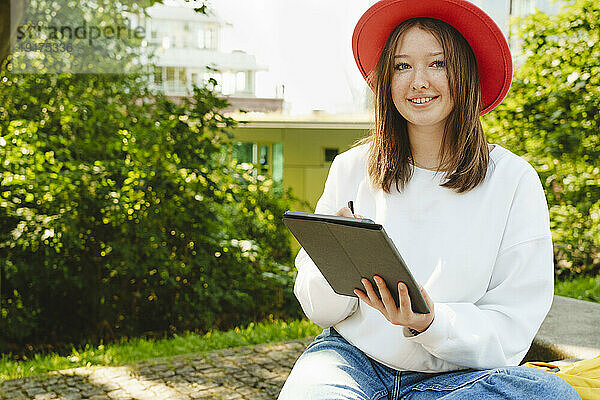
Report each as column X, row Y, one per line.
column 435, row 64
column 401, row 66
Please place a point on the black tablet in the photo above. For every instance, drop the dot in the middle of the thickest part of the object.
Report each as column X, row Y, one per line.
column 348, row 249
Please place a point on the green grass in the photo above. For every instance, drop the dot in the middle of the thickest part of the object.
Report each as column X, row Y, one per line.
column 582, row 288
column 134, row 350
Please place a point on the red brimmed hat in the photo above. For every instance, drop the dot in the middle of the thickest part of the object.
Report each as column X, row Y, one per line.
column 486, row 39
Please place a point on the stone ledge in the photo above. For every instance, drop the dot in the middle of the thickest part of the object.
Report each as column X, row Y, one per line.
column 568, row 332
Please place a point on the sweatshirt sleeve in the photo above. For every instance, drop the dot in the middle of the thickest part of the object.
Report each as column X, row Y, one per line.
column 318, row 300
column 499, row 328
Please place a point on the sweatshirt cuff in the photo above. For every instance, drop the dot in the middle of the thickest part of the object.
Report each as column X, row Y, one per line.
column 438, row 331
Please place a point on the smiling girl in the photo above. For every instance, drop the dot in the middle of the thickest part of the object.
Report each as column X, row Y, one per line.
column 469, row 218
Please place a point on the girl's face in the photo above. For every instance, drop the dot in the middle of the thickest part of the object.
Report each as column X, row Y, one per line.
column 420, row 88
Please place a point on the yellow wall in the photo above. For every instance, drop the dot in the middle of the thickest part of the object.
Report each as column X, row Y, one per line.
column 304, row 143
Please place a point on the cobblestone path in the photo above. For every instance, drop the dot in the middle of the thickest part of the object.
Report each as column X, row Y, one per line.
column 253, row 372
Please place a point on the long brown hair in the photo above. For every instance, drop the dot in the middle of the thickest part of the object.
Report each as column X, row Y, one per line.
column 464, row 149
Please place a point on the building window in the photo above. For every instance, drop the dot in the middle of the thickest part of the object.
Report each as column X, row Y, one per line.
column 240, row 81
column 208, row 40
column 228, row 83
column 267, row 159
column 205, row 39
column 330, row 154
column 523, row 7
column 201, row 39
column 178, row 41
column 278, row 166
column 264, row 159
column 158, row 75
column 170, row 74
column 243, row 152
column 182, row 76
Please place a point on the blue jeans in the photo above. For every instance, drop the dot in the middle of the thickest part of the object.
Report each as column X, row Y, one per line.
column 332, row 368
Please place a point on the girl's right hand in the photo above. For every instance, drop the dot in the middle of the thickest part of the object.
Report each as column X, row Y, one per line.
column 345, row 212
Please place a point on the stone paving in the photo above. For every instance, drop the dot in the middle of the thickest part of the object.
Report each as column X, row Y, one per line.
column 253, row 372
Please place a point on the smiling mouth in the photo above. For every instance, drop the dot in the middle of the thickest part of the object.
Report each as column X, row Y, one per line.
column 422, row 100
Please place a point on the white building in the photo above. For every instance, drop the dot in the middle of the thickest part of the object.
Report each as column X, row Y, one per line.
column 502, row 10
column 187, row 51
column 522, row 8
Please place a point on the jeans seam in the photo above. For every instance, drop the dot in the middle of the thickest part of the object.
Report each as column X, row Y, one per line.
column 397, row 385
column 445, row 388
column 317, row 340
column 384, row 391
column 381, row 394
column 312, row 344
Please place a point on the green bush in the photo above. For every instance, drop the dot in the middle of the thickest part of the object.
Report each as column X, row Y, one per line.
column 551, row 118
column 581, row 287
column 121, row 214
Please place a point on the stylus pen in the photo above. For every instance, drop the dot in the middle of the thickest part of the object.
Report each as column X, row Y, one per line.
column 351, row 206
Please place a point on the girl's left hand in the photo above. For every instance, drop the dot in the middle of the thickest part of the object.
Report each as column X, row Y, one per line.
column 402, row 315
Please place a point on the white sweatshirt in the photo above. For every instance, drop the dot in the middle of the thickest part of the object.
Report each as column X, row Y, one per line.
column 485, row 257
